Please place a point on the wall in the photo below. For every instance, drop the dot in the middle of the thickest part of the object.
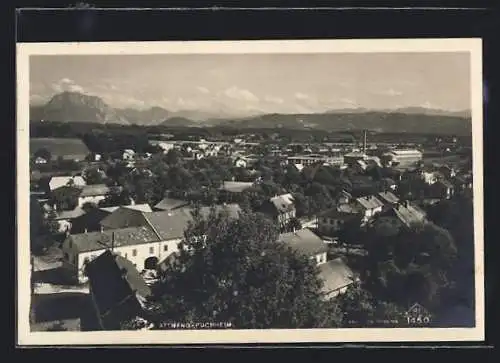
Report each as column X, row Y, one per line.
column 92, row 199
column 160, row 250
column 321, row 258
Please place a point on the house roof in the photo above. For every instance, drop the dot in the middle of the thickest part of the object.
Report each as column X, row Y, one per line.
column 139, row 207
column 235, row 187
column 408, row 214
column 283, row 203
column 113, row 279
column 94, row 190
column 337, row 214
column 167, row 225
column 94, row 241
column 170, row 203
column 124, row 217
column 335, row 275
column 369, row 202
column 59, row 181
column 304, row 241
column 388, row 197
column 406, row 152
column 69, row 214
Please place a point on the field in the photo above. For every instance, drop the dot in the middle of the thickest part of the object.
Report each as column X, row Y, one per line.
column 64, row 147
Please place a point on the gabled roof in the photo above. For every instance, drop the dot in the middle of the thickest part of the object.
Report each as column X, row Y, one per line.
column 388, row 197
column 69, row 214
column 283, row 203
column 170, row 204
column 124, row 217
column 95, row 241
column 408, row 214
column 304, row 241
column 59, row 181
column 113, row 279
column 94, row 190
column 235, row 187
column 337, row 214
column 369, row 202
column 335, row 275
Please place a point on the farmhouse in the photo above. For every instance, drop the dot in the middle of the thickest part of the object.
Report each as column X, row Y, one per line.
column 306, row 243
column 280, row 208
column 337, row 276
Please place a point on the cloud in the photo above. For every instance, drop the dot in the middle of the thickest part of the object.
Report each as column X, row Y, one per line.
column 391, row 92
column 272, row 99
column 301, row 96
column 66, row 85
column 202, row 89
column 240, row 94
column 348, row 101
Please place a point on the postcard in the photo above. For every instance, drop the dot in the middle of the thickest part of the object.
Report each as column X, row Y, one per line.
column 231, row 192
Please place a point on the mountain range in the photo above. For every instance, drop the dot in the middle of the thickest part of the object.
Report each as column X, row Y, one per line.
column 78, row 107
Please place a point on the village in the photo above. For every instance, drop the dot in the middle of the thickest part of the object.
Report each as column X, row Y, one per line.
column 107, row 227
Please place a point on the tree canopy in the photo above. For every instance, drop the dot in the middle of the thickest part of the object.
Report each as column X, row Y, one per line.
column 240, row 274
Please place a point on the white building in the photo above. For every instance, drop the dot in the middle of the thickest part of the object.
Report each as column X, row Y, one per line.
column 60, row 181
column 128, row 154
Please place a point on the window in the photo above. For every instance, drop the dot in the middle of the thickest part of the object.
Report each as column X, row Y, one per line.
column 165, row 248
column 126, row 255
column 151, row 250
column 66, row 256
column 134, row 252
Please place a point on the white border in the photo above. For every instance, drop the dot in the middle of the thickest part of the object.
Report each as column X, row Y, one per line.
column 24, row 50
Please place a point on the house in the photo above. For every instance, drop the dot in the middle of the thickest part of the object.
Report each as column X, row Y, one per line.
column 169, row 204
column 332, row 221
column 369, row 205
column 117, row 290
column 360, row 166
column 306, row 243
column 280, row 208
column 65, row 218
column 234, row 187
column 140, row 245
column 39, row 160
column 163, row 145
column 128, row 154
column 443, row 189
column 337, row 276
column 344, row 197
column 352, row 157
column 388, row 198
column 59, row 181
column 407, row 214
column 240, row 163
column 405, row 157
column 93, row 193
column 447, row 171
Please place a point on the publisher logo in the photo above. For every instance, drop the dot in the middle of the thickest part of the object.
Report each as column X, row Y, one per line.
column 417, row 315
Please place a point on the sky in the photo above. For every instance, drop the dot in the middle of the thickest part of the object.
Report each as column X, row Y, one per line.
column 246, row 84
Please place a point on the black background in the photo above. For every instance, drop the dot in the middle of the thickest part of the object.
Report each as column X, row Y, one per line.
column 91, row 24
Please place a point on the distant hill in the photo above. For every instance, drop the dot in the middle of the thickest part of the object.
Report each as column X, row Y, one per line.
column 379, row 121
column 78, row 107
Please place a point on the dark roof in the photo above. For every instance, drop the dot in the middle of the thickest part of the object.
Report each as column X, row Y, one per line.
column 304, row 241
column 94, row 241
column 388, row 197
column 113, row 279
column 369, row 202
column 124, row 217
column 94, row 190
column 408, row 214
column 335, row 275
column 337, row 213
column 170, row 203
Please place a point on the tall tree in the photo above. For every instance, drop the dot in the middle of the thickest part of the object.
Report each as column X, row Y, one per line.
column 234, row 270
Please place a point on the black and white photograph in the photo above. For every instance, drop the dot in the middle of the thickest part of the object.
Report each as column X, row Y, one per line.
column 250, row 191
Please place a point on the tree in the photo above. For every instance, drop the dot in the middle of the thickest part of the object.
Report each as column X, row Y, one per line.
column 93, row 176
column 65, row 197
column 114, row 199
column 237, row 272
column 294, row 224
column 43, row 153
